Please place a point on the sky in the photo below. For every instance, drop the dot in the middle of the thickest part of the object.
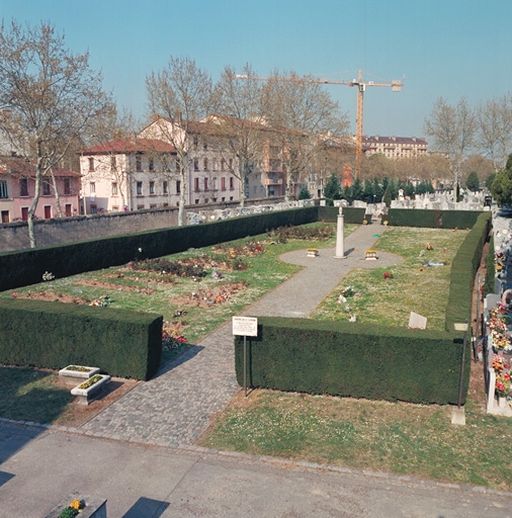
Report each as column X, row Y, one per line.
column 448, row 48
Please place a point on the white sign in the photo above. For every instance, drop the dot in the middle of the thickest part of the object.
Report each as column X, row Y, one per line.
column 245, row 326
column 417, row 321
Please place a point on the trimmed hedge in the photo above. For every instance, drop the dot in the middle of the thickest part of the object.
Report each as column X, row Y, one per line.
column 356, row 360
column 350, row 214
column 464, row 267
column 490, row 269
column 53, row 335
column 27, row 266
column 432, row 218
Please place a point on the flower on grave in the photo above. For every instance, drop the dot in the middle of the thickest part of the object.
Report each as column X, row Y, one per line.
column 77, row 504
column 48, row 276
column 503, row 385
column 498, row 364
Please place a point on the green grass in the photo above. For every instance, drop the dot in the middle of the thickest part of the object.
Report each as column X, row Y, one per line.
column 414, row 287
column 397, row 437
column 144, row 291
column 31, row 395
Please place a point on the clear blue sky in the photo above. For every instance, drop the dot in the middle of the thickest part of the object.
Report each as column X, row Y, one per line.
column 449, row 48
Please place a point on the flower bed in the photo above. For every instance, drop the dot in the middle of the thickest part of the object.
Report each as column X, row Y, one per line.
column 89, row 388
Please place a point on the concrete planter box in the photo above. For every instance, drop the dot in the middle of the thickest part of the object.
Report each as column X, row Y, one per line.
column 94, row 507
column 82, row 372
column 85, row 395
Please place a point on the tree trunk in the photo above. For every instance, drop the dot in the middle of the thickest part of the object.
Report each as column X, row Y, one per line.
column 183, row 187
column 33, row 207
column 57, row 194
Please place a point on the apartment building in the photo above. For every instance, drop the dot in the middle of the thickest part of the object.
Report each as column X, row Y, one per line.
column 17, row 190
column 129, row 174
column 395, row 147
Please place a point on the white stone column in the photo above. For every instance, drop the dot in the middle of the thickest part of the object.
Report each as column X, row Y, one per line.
column 340, row 246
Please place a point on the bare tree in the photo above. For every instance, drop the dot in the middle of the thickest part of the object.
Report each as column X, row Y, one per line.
column 239, row 104
column 299, row 110
column 495, row 129
column 48, row 97
column 453, row 129
column 182, row 94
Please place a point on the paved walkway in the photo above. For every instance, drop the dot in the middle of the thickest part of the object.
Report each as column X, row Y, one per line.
column 174, row 408
column 40, row 469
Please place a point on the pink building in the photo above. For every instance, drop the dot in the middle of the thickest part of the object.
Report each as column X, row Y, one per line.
column 17, row 185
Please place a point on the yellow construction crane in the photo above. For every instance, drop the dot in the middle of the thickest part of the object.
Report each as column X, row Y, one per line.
column 361, row 85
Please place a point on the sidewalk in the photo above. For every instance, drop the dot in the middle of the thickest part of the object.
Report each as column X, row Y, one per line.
column 150, row 482
column 174, row 408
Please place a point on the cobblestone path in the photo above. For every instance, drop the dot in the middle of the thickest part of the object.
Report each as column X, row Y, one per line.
column 174, row 408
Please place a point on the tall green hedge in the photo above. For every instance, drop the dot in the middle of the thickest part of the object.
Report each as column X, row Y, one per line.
column 53, row 335
column 28, row 266
column 462, row 275
column 350, row 214
column 432, row 218
column 490, row 266
column 356, row 360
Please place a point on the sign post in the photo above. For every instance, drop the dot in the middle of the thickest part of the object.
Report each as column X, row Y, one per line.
column 245, row 326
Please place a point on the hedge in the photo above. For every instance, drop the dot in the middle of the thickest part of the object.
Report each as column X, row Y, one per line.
column 462, row 275
column 28, row 266
column 432, row 218
column 355, row 360
column 350, row 214
column 490, row 269
column 53, row 335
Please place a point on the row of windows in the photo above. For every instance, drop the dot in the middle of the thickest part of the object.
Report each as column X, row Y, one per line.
column 214, row 164
column 47, row 211
column 46, row 187
column 214, row 187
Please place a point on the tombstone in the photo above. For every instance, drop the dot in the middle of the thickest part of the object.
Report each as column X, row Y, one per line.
column 417, row 321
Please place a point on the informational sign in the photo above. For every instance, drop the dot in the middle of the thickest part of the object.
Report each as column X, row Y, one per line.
column 245, row 326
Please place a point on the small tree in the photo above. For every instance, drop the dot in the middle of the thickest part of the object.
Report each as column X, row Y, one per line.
column 501, row 187
column 304, row 193
column 388, row 195
column 489, row 181
column 472, row 182
column 332, row 189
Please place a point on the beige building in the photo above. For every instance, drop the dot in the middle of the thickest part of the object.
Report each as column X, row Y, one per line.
column 129, row 174
column 395, row 147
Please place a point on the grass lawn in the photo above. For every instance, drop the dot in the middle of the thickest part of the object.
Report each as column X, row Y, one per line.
column 178, row 299
column 397, row 437
column 31, row 395
column 414, row 287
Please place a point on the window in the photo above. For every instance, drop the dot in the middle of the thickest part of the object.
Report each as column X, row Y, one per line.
column 24, row 213
column 223, row 198
column 138, row 163
column 196, row 141
column 196, row 164
column 115, row 190
column 47, row 212
column 231, row 184
column 140, row 207
column 205, row 164
column 115, row 208
column 68, row 210
column 165, row 204
column 178, row 186
column 196, row 202
column 92, row 187
column 214, row 184
column 46, row 188
column 152, row 206
column 94, row 208
column 231, row 198
column 23, row 187
column 222, row 184
column 151, row 188
column 196, row 184
column 113, row 163
column 205, row 145
column 67, row 185
column 214, row 165
column 231, row 164
column 5, row 216
column 91, row 164
column 222, row 164
column 151, row 164
column 206, row 184
column 206, row 200
column 165, row 189
column 138, row 187
column 214, row 200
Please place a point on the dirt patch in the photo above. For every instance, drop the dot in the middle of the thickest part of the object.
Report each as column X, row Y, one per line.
column 49, row 296
column 208, row 297
column 76, row 414
column 115, row 287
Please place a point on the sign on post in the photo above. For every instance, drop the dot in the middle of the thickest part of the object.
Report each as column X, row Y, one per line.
column 245, row 326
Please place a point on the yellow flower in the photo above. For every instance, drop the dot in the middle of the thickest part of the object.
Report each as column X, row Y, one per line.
column 76, row 504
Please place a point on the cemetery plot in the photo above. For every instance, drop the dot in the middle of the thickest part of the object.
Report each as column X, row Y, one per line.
column 388, row 295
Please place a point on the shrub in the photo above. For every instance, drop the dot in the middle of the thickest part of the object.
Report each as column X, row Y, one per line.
column 350, row 214
column 53, row 335
column 432, row 218
column 490, row 274
column 356, row 360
